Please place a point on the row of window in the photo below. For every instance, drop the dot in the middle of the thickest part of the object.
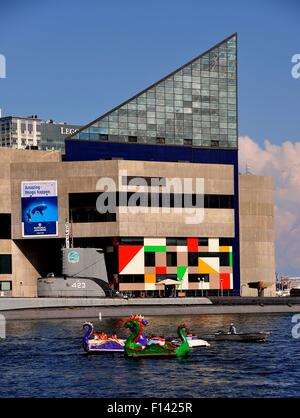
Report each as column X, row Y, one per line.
column 141, row 116
column 224, row 258
column 198, row 140
column 82, row 206
column 88, row 201
column 139, row 278
column 203, row 242
column 192, row 258
column 134, row 180
column 162, row 140
column 213, row 139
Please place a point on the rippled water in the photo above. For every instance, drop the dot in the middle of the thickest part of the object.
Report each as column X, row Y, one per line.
column 44, row 358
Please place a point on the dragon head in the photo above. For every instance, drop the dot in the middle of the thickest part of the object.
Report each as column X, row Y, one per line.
column 131, row 323
column 90, row 329
column 88, row 325
column 139, row 318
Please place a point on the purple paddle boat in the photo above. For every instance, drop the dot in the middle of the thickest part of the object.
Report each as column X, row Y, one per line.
column 100, row 343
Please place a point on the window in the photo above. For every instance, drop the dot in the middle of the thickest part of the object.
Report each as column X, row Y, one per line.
column 5, row 226
column 132, row 241
column 225, row 241
column 219, row 201
column 149, row 259
column 214, row 201
column 215, row 143
column 171, row 241
column 151, row 181
column 224, row 259
column 82, row 208
column 226, row 202
column 193, row 259
column 5, row 286
column 132, row 139
column 187, row 142
column 5, row 264
column 160, row 140
column 203, row 242
column 172, row 259
column 181, row 241
column 131, row 278
column 196, row 278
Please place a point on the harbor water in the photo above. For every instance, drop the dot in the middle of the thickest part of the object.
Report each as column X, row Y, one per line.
column 44, row 358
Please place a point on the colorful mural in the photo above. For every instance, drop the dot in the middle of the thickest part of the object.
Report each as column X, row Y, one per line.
column 197, row 263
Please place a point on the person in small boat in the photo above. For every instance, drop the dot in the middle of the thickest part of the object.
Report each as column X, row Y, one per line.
column 100, row 336
column 232, row 329
column 156, row 340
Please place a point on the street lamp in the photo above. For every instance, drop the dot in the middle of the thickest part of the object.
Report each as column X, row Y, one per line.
column 201, row 279
column 221, row 285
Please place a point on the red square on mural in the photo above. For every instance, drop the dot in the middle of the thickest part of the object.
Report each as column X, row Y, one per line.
column 224, row 281
column 192, row 244
column 161, row 270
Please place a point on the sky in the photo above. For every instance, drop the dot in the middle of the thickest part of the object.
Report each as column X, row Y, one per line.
column 72, row 61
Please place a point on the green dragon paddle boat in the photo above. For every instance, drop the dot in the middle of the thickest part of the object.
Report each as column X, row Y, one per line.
column 155, row 346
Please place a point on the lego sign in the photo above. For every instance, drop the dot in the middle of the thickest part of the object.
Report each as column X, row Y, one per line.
column 39, row 208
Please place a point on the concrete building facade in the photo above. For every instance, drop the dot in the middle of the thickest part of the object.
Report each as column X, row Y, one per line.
column 164, row 240
column 257, row 235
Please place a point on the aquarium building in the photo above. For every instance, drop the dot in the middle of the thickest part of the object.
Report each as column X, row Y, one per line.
column 185, row 126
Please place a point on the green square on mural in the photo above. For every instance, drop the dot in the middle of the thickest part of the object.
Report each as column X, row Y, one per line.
column 155, row 248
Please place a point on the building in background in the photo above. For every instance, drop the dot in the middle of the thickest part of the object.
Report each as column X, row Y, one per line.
column 183, row 126
column 34, row 133
column 53, row 134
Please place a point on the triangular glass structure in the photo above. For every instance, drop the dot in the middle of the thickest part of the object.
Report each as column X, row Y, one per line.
column 195, row 105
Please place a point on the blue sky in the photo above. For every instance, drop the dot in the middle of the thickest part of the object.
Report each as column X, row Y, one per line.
column 73, row 60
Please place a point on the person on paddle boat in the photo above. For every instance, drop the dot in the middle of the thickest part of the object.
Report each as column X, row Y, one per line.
column 100, row 336
column 232, row 329
column 156, row 340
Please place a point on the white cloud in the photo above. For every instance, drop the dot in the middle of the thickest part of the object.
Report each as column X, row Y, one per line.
column 282, row 162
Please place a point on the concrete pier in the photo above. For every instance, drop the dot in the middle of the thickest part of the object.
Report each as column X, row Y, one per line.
column 36, row 308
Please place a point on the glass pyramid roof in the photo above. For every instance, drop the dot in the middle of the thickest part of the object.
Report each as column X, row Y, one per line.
column 195, row 105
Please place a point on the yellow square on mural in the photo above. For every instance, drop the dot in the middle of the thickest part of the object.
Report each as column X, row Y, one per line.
column 208, row 265
column 150, row 278
column 225, row 249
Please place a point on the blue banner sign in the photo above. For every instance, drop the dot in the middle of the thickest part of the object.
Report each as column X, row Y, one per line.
column 39, row 208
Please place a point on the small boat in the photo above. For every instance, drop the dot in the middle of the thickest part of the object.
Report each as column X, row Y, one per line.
column 194, row 341
column 100, row 342
column 155, row 346
column 247, row 336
